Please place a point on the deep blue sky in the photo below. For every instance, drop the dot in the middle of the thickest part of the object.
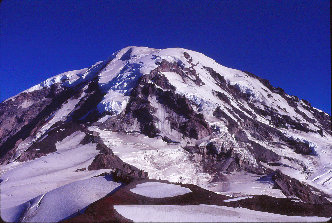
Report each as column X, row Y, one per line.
column 286, row 42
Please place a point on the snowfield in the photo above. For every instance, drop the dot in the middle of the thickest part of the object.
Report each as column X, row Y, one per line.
column 203, row 213
column 159, row 190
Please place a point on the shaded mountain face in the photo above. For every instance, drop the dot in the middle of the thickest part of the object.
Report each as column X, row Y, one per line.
column 171, row 114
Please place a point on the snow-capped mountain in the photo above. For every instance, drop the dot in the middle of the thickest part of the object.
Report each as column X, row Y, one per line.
column 173, row 115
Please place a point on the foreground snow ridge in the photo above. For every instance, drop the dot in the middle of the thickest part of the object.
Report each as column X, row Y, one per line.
column 159, row 190
column 62, row 202
column 203, row 213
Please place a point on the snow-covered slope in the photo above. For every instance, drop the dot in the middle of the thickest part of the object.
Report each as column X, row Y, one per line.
column 169, row 114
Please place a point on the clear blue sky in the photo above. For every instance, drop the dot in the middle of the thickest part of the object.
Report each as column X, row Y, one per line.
column 286, row 42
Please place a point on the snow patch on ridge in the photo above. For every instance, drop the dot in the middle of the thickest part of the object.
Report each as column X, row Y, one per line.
column 70, row 78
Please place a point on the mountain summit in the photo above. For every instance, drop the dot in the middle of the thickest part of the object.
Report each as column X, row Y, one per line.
column 161, row 115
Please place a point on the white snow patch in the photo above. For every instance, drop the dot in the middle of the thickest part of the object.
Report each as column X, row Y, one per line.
column 26, row 104
column 159, row 190
column 237, row 199
column 104, row 118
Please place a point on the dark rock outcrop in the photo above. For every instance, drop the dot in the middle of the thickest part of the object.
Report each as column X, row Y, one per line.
column 128, row 175
column 55, row 97
column 46, row 144
column 215, row 159
column 263, row 154
column 106, row 159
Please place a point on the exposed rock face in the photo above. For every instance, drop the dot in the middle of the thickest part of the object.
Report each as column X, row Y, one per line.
column 40, row 111
column 224, row 121
column 216, row 159
column 128, row 175
column 15, row 114
column 41, row 104
column 47, row 144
